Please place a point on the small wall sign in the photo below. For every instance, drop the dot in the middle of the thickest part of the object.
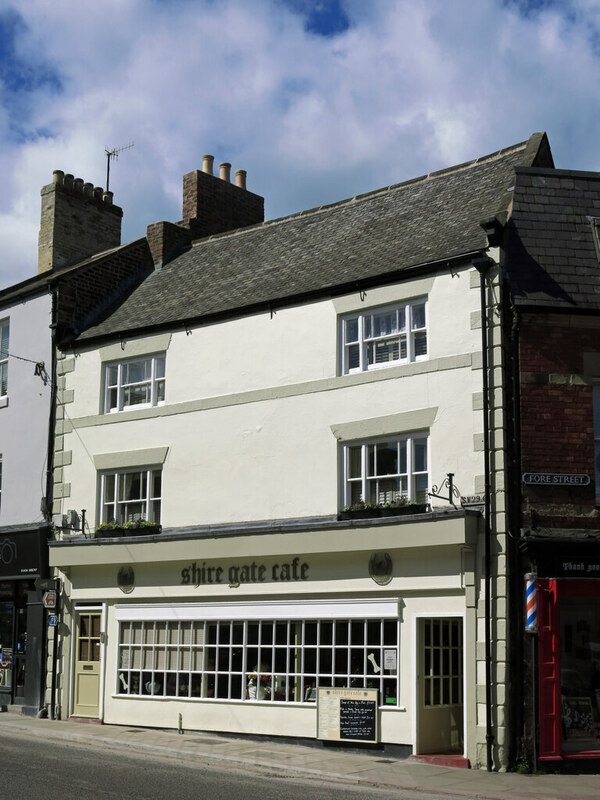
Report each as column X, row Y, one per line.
column 554, row 479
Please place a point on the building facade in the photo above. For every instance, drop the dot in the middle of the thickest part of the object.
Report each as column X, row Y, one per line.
column 79, row 223
column 25, row 408
column 553, row 258
column 289, row 443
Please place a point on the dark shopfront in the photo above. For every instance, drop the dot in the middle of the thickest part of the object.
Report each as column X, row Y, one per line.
column 568, row 600
column 23, row 559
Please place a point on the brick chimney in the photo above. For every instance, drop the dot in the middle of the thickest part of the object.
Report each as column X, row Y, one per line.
column 215, row 205
column 77, row 221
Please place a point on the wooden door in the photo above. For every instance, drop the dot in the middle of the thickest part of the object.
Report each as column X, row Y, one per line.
column 440, row 686
column 86, row 689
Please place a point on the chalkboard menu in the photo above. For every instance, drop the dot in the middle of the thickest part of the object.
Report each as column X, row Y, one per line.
column 347, row 715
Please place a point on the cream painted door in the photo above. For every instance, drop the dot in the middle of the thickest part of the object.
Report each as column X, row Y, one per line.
column 86, row 688
column 440, row 685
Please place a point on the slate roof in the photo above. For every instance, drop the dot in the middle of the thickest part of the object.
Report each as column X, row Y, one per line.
column 384, row 233
column 553, row 246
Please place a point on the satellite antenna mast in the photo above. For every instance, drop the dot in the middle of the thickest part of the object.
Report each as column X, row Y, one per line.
column 114, row 153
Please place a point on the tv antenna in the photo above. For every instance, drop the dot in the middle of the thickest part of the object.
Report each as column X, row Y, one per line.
column 114, row 153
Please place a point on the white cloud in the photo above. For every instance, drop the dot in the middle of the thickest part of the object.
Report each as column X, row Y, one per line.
column 407, row 88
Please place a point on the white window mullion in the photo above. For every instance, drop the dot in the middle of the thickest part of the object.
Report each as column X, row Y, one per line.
column 409, row 334
column 364, row 470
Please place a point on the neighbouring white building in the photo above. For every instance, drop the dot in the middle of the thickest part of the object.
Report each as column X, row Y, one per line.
column 264, row 384
column 77, row 221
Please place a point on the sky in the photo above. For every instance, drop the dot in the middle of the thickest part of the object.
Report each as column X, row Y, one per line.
column 318, row 100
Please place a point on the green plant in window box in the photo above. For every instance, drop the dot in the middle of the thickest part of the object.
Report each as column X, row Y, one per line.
column 135, row 527
column 394, row 508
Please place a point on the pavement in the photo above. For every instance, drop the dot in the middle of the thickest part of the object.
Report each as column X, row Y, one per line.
column 356, row 768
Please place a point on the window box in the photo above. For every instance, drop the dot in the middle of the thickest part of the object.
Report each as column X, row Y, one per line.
column 401, row 511
column 383, row 511
column 110, row 531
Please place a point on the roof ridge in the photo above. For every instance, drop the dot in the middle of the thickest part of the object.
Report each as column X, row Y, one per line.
column 490, row 158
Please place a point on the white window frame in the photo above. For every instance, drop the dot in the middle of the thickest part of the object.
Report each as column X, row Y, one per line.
column 364, row 320
column 120, row 385
column 115, row 509
column 4, row 332
column 209, row 652
column 368, row 484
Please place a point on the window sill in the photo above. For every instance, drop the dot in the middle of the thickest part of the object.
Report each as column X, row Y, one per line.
column 4, row 401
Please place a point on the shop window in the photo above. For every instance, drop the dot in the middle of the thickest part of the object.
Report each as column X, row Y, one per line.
column 384, row 337
column 137, row 383
column 580, row 673
column 4, row 331
column 131, row 495
column 596, row 401
column 383, row 471
column 282, row 661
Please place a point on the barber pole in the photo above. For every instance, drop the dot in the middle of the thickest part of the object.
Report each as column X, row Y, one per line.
column 530, row 603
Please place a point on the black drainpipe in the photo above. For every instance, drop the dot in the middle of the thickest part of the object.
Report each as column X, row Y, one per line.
column 50, row 482
column 482, row 265
column 516, row 577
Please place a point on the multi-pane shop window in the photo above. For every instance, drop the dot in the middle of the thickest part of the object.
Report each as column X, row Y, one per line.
column 131, row 495
column 383, row 337
column 4, row 330
column 272, row 661
column 385, row 470
column 596, row 400
column 442, row 669
column 136, row 383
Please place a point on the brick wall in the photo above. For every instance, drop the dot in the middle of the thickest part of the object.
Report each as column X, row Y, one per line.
column 90, row 292
column 212, row 205
column 557, row 429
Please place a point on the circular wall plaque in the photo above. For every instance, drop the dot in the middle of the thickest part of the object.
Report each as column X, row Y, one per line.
column 380, row 568
column 126, row 579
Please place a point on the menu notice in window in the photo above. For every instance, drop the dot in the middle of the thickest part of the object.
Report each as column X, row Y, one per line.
column 347, row 714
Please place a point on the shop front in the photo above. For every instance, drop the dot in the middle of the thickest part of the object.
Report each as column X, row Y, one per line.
column 569, row 652
column 178, row 632
column 23, row 560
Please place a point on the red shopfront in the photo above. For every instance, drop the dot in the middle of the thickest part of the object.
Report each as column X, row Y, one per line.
column 569, row 663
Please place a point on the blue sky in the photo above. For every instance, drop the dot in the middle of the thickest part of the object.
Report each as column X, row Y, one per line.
column 317, row 99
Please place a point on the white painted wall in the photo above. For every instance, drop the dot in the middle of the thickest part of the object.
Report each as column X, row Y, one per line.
column 24, row 414
column 250, row 404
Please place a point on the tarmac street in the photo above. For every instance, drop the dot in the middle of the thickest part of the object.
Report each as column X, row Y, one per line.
column 356, row 769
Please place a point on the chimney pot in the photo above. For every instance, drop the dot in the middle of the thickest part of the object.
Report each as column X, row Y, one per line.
column 68, row 180
column 78, row 184
column 240, row 178
column 108, row 198
column 207, row 164
column 88, row 189
column 225, row 171
column 58, row 176
column 98, row 192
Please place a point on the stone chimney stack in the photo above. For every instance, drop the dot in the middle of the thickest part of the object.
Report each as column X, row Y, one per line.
column 215, row 205
column 77, row 221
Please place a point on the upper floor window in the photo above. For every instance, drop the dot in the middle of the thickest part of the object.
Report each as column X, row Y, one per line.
column 131, row 495
column 139, row 382
column 4, row 328
column 386, row 470
column 383, row 337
